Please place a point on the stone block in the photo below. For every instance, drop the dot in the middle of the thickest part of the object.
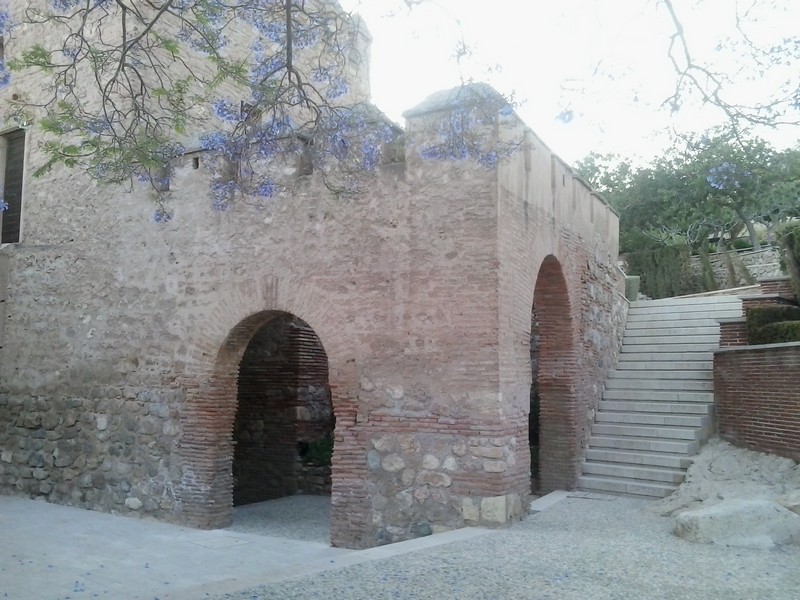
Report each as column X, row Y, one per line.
column 493, row 510
column 740, row 522
column 469, row 510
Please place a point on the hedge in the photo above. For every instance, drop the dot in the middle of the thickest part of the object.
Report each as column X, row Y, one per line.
column 780, row 332
column 773, row 324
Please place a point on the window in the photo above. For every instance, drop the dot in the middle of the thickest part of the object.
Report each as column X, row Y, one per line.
column 13, row 149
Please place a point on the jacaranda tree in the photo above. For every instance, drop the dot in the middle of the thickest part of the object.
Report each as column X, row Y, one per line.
column 129, row 83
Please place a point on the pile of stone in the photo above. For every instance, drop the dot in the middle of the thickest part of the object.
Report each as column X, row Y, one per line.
column 737, row 497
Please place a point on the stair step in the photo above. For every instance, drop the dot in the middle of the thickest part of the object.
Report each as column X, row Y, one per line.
column 643, row 444
column 673, row 461
column 629, row 362
column 660, row 419
column 655, row 316
column 664, row 383
column 721, row 300
column 684, row 340
column 656, row 407
column 625, row 486
column 670, row 324
column 621, row 471
column 653, row 349
column 662, row 432
column 666, row 373
column 659, row 396
column 656, row 331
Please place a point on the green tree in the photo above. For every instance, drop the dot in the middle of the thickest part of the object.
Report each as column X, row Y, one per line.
column 718, row 183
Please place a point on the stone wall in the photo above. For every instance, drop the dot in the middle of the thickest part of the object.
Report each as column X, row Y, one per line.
column 757, row 398
column 759, row 264
column 125, row 339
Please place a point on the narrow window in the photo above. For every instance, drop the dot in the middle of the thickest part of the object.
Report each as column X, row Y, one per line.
column 14, row 146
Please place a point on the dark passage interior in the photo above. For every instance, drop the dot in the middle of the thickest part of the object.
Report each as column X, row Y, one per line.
column 283, row 431
column 533, row 417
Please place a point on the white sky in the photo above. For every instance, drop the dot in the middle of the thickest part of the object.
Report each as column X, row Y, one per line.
column 606, row 60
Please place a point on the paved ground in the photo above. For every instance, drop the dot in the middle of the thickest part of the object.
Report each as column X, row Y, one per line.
column 588, row 547
column 51, row 552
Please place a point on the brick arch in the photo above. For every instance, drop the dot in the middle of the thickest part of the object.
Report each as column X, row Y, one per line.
column 205, row 491
column 557, row 371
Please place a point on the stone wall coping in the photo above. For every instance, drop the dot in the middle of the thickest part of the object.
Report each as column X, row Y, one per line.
column 726, row 320
column 759, row 347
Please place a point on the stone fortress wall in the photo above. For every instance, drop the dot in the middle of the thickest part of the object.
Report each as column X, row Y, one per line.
column 122, row 340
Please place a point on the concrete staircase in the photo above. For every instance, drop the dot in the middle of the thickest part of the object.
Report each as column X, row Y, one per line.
column 657, row 408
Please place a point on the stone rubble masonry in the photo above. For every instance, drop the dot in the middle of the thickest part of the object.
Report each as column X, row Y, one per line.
column 122, row 340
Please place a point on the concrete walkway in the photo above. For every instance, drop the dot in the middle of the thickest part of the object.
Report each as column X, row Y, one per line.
column 51, row 552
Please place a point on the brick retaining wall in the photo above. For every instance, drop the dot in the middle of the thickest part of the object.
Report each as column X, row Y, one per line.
column 757, row 397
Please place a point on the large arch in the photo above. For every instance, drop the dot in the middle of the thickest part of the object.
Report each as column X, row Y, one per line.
column 554, row 370
column 209, row 371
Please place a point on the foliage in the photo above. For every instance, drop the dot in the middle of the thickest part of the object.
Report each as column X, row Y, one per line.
column 767, row 323
column 789, row 237
column 664, row 272
column 779, row 332
column 714, row 186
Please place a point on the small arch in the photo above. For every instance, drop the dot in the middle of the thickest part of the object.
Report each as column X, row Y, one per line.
column 553, row 368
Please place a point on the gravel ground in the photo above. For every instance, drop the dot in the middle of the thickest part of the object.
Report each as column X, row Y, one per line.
column 583, row 548
column 306, row 518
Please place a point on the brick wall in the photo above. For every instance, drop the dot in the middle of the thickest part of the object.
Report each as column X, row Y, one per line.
column 757, row 397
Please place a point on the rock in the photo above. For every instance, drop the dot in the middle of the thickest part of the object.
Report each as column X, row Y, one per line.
column 429, row 461
column 493, row 510
column 434, row 479
column 740, row 522
column 469, row 510
column 791, row 501
column 494, row 466
column 450, row 464
column 133, row 503
column 421, row 529
column 488, row 452
column 393, row 463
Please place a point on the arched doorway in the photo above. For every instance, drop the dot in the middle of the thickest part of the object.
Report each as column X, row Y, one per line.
column 553, row 367
column 283, row 429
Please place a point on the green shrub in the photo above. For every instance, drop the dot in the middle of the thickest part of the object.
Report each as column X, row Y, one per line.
column 741, row 244
column 760, row 318
column 664, row 271
column 789, row 237
column 780, row 332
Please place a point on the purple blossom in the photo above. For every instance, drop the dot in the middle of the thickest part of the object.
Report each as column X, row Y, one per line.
column 5, row 75
column 162, row 215
column 6, row 24
column 266, row 189
column 226, row 111
column 336, row 89
column 726, row 176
